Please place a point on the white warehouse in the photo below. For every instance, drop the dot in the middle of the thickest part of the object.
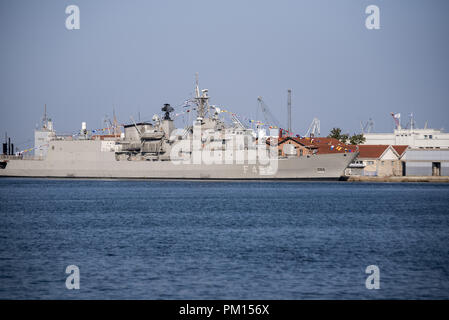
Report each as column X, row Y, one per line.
column 426, row 162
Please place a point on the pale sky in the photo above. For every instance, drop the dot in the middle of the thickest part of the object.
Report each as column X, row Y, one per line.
column 138, row 55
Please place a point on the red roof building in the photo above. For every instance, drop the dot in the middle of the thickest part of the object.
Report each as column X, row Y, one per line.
column 380, row 160
column 314, row 145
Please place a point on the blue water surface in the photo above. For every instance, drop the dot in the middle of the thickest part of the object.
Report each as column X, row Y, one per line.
column 222, row 240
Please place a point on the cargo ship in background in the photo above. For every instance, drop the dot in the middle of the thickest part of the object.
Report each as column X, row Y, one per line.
column 146, row 150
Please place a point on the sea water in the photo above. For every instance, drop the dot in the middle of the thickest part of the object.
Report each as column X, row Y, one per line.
column 223, row 240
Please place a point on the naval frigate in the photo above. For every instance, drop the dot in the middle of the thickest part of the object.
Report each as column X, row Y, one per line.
column 209, row 148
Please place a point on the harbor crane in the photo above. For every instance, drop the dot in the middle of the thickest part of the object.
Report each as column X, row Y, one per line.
column 269, row 117
column 314, row 128
column 367, row 127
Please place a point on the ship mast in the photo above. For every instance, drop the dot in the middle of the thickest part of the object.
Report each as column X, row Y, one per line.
column 202, row 100
column 44, row 119
column 116, row 127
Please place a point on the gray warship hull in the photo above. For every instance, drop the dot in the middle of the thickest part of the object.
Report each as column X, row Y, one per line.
column 85, row 159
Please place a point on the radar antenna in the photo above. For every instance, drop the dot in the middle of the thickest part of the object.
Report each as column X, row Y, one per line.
column 167, row 109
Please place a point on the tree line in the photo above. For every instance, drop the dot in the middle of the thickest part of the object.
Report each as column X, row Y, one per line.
column 345, row 137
